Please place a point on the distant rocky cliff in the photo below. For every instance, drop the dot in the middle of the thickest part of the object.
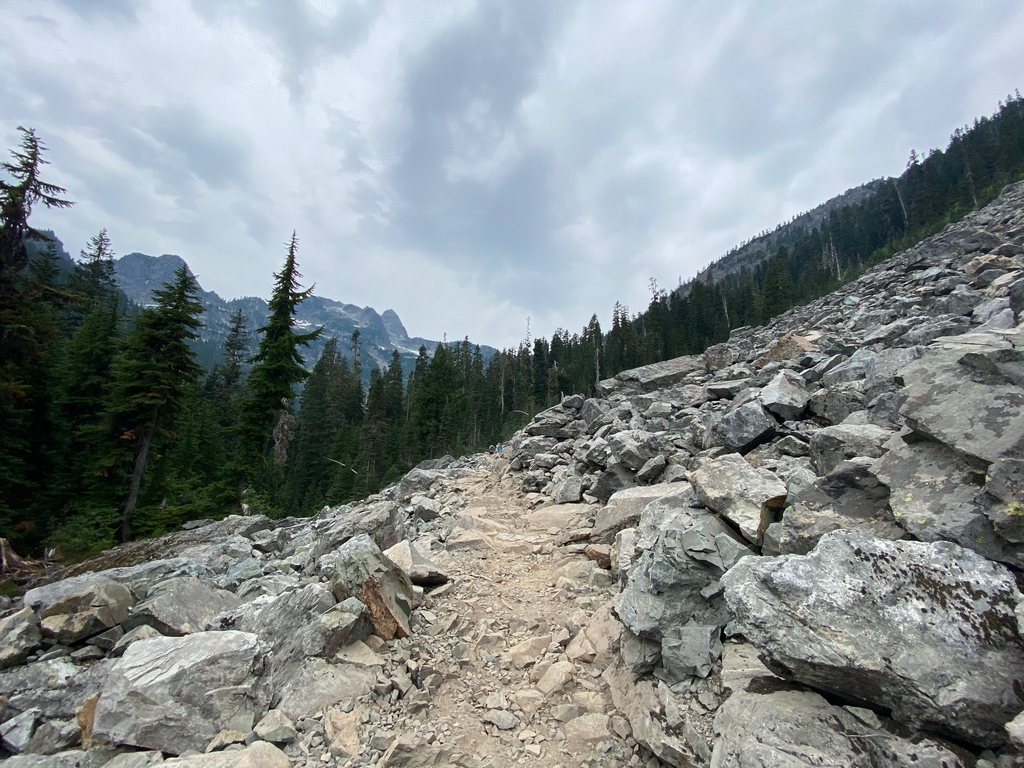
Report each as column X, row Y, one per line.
column 802, row 547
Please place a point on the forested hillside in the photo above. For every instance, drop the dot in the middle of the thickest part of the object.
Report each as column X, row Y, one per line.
column 112, row 430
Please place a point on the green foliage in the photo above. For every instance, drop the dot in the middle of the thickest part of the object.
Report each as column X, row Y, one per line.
column 278, row 364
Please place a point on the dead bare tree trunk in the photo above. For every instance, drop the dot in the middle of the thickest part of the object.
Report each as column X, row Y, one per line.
column 141, row 459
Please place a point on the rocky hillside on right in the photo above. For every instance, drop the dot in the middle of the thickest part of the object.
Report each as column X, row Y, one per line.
column 838, row 496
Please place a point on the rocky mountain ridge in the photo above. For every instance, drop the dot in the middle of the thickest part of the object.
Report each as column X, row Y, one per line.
column 138, row 275
column 802, row 547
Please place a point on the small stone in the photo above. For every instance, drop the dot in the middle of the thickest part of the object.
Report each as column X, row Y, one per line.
column 276, row 727
column 501, row 719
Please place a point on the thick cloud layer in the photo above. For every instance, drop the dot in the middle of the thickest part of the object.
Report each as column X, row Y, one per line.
column 471, row 164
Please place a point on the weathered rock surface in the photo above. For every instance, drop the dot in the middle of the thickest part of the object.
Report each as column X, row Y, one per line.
column 361, row 570
column 175, row 694
column 19, row 636
column 259, row 755
column 180, row 606
column 798, row 728
column 850, row 497
column 100, row 605
column 420, row 569
column 745, row 496
column 904, row 656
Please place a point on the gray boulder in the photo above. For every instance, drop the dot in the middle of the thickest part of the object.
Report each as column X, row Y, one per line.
column 788, row 729
column 786, row 395
column 744, row 427
column 967, row 392
column 257, row 755
column 850, row 497
column 649, row 378
column 625, row 507
column 180, row 606
column 937, row 495
column 747, row 497
column 359, row 569
column 833, row 445
column 613, row 479
column 383, row 521
column 942, row 653
column 633, row 447
column 690, row 650
column 98, row 606
column 176, row 693
column 71, row 759
column 19, row 637
column 675, row 742
column 568, row 490
column 420, row 569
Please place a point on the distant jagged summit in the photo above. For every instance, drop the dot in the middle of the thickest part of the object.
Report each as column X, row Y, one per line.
column 138, row 275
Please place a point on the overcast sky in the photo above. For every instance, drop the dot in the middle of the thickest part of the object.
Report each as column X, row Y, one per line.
column 470, row 164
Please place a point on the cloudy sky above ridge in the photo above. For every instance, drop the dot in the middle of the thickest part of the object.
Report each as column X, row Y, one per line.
column 470, row 164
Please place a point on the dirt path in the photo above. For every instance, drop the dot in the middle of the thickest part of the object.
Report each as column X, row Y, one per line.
column 490, row 648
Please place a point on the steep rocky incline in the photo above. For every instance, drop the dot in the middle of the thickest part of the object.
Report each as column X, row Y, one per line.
column 801, row 548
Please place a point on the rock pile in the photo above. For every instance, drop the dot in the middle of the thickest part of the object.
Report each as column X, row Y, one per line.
column 801, row 547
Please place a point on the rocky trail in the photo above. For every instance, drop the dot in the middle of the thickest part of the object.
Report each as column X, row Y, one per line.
column 803, row 547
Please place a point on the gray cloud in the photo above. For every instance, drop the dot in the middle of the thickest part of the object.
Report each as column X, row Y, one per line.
column 472, row 163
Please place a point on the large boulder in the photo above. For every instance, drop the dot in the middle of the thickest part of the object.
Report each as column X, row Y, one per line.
column 747, row 497
column 788, row 729
column 96, row 607
column 648, row 378
column 634, row 447
column 359, row 569
column 833, row 445
column 19, row 636
column 176, row 693
column 968, row 392
column 786, row 395
column 937, row 495
column 744, row 427
column 850, row 497
column 180, row 606
column 56, row 687
column 420, row 569
column 257, row 755
column 383, row 521
column 925, row 629
column 625, row 507
column 678, row 744
column 137, row 578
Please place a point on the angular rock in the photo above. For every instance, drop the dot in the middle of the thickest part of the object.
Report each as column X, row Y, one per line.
column 787, row 729
column 276, row 727
column 816, row 618
column 71, row 759
column 682, row 747
column 98, row 606
column 361, row 570
column 258, row 755
column 832, row 445
column 177, row 693
column 651, row 469
column 786, row 395
column 424, row 508
column 141, row 632
column 937, row 495
column 849, row 497
column 568, row 490
column 589, row 728
column 16, row 733
column 19, row 637
column 558, row 675
column 648, row 378
column 744, row 427
column 615, row 478
column 180, row 606
column 384, row 521
column 501, row 719
column 745, row 496
column 316, row 685
column 690, row 650
column 634, row 447
column 598, row 640
column 967, row 392
column 420, row 570
column 625, row 507
column 529, row 652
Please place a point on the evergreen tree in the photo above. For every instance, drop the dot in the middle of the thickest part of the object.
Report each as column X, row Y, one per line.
column 778, row 286
column 277, row 364
column 152, row 380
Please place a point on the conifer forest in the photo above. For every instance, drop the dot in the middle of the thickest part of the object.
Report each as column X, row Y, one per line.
column 111, row 430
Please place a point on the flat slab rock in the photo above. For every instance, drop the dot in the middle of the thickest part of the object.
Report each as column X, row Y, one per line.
column 786, row 729
column 873, row 621
column 176, row 693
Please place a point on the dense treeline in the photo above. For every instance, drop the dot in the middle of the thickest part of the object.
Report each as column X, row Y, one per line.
column 111, row 430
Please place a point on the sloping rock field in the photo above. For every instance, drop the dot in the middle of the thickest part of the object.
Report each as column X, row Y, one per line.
column 800, row 548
